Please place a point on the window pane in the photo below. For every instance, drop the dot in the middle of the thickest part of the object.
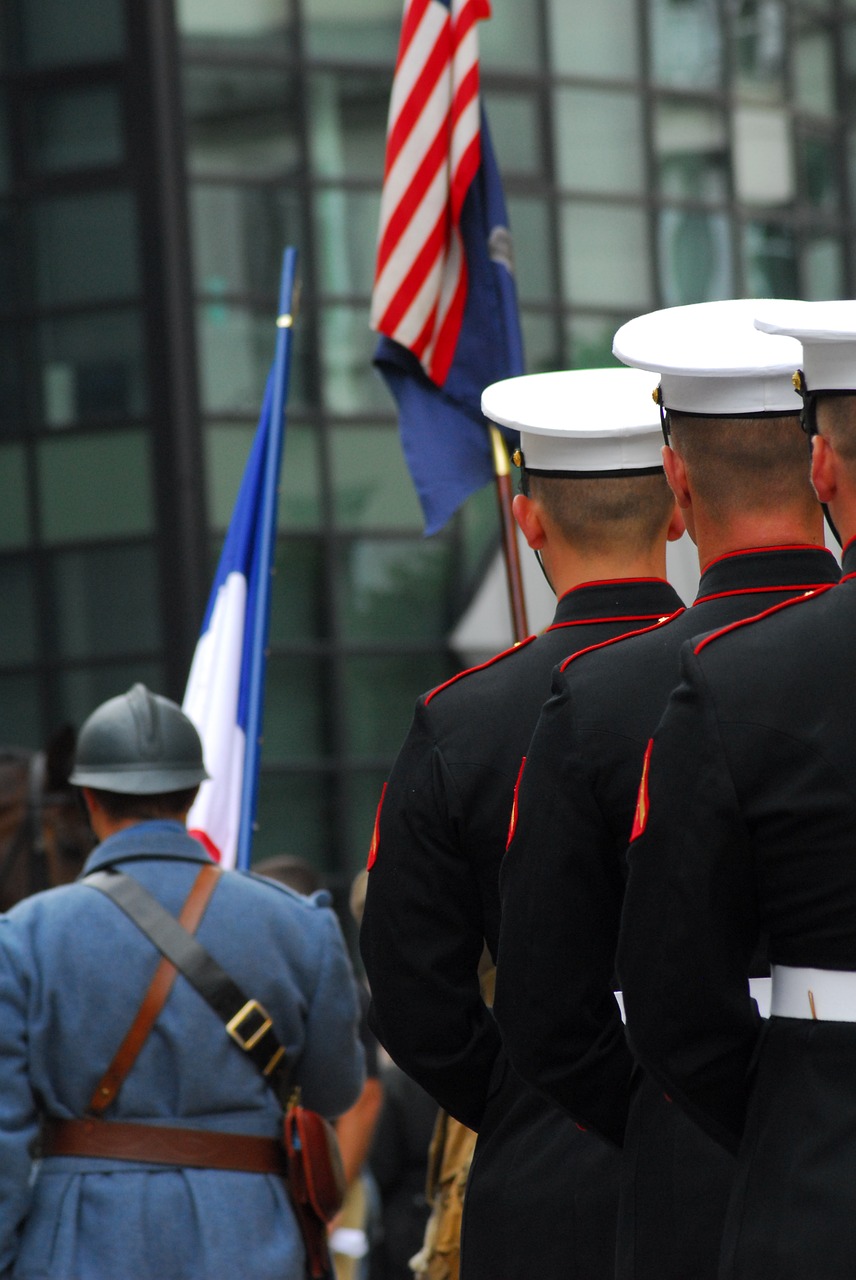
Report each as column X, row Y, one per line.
column 18, row 632
column 371, row 485
column 509, row 39
column 760, row 44
column 347, row 122
column 686, row 43
column 692, row 152
column 769, row 261
column 227, row 450
column 95, row 487
column 294, row 724
column 83, row 689
column 96, row 614
column 14, row 501
column 20, row 711
column 695, row 257
column 265, row 23
column 822, row 269
column 367, row 31
column 395, row 588
column 347, row 344
column 4, row 146
column 55, row 32
column 534, row 264
column 74, row 129
column 92, row 367
column 591, row 341
column 346, row 226
column 599, row 141
column 294, row 816
column 12, row 410
column 238, row 237
column 516, row 132
column 541, row 342
column 764, row 170
column 86, row 248
column 818, row 159
column 241, row 122
column 298, row 604
column 814, row 72
column 606, row 255
column 236, row 352
column 593, row 39
column 380, row 695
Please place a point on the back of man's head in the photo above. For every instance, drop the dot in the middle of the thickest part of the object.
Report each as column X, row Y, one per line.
column 606, row 514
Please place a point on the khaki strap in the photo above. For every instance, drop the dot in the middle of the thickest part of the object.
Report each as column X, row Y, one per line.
column 162, row 1144
column 154, row 999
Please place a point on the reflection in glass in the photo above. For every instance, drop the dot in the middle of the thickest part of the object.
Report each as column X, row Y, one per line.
column 96, row 613
column 820, row 171
column 695, row 262
column 814, row 70
column 347, row 121
column 686, row 43
column 515, row 129
column 295, row 686
column 371, row 486
column 82, row 689
column 85, row 248
column 769, row 261
column 235, row 355
column 238, row 236
column 599, row 141
column 821, row 268
column 227, row 448
column 298, row 606
column 593, row 39
column 20, row 711
column 295, row 812
column 241, row 121
column 96, row 486
column 379, row 695
column 397, row 588
column 534, row 266
column 265, row 23
column 605, row 255
column 590, row 340
column 760, row 44
column 92, row 367
column 509, row 39
column 18, row 631
column 542, row 342
column 351, row 383
column 364, row 32
column 55, row 32
column 764, row 168
column 74, row 129
column 14, row 501
column 691, row 147
column 346, row 226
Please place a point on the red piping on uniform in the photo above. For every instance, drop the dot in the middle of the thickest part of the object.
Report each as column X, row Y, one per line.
column 625, row 635
column 512, row 823
column 757, row 617
column 751, row 591
column 608, row 582
column 481, row 667
column 592, row 622
column 373, row 847
column 753, row 551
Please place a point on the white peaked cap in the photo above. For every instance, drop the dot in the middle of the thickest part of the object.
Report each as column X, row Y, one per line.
column 712, row 360
column 581, row 420
column 827, row 331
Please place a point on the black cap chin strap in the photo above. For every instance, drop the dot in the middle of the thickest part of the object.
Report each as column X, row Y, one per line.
column 808, row 422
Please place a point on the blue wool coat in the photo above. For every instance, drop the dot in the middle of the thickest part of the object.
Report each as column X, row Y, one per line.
column 73, row 970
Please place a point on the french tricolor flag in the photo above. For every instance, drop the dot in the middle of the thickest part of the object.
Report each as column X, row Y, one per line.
column 225, row 689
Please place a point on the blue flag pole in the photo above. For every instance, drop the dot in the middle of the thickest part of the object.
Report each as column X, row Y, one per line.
column 258, row 619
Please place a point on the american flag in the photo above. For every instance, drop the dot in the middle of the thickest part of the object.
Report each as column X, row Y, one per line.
column 433, row 152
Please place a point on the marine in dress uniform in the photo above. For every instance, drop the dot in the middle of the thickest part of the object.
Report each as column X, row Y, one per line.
column 73, row 971
column 738, row 465
column 747, row 829
column 542, row 1196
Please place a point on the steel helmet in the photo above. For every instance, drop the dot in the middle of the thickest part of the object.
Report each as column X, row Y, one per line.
column 138, row 744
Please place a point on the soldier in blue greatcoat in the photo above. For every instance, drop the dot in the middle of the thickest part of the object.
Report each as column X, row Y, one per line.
column 73, row 971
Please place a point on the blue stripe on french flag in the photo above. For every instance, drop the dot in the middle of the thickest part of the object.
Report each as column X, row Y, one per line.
column 217, row 695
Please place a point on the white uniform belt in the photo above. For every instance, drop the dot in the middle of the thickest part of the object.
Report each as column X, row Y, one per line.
column 826, row 995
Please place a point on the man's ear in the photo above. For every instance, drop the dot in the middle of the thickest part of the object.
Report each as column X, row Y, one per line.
column 527, row 513
column 677, row 526
column 676, row 474
column 824, row 469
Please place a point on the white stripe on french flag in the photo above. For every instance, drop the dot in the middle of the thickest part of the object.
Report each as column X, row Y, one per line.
column 216, row 697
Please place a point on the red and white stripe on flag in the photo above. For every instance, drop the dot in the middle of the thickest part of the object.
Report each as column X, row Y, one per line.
column 433, row 151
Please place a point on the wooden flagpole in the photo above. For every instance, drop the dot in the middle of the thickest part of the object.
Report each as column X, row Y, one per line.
column 510, row 550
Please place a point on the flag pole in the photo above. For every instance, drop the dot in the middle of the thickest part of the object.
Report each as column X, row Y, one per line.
column 260, row 621
column 508, row 527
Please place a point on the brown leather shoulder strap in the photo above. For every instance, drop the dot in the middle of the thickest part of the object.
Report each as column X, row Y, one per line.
column 154, row 999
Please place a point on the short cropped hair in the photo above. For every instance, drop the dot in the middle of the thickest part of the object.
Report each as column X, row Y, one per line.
column 606, row 512
column 164, row 805
column 838, row 414
column 744, row 464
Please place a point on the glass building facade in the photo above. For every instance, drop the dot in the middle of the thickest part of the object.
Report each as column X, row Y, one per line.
column 154, row 160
